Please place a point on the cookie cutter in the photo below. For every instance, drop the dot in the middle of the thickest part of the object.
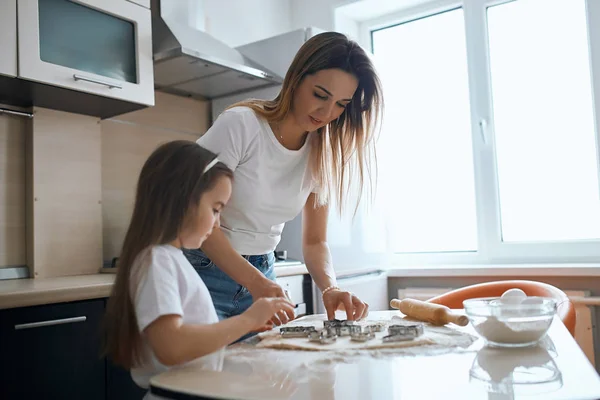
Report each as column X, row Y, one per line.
column 322, row 337
column 296, row 331
column 397, row 338
column 340, row 328
column 362, row 336
column 412, row 329
column 337, row 322
column 374, row 328
column 356, row 329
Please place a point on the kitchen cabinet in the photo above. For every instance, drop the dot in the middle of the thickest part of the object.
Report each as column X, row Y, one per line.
column 8, row 38
column 299, row 289
column 120, row 386
column 90, row 57
column 53, row 351
column 99, row 47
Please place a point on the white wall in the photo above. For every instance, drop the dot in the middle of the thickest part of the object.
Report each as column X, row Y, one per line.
column 317, row 13
column 238, row 22
column 347, row 25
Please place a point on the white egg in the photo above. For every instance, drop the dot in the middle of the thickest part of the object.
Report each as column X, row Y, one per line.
column 513, row 296
column 531, row 306
column 533, row 301
column 495, row 308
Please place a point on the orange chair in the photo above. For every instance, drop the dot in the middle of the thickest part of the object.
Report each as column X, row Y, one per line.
column 566, row 309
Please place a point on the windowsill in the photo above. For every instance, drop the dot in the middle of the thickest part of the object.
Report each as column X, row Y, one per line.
column 517, row 270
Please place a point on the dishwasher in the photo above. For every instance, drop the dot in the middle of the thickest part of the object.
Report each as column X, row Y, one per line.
column 371, row 287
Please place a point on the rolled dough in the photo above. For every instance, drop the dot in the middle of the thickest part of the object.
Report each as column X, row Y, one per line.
column 444, row 336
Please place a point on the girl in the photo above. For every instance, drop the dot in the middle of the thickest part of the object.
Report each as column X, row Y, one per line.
column 160, row 313
column 287, row 155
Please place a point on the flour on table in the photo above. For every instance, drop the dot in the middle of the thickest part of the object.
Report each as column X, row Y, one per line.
column 439, row 337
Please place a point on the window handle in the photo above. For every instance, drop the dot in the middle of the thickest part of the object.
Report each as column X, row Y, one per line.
column 483, row 130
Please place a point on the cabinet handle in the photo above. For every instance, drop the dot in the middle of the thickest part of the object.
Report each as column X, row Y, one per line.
column 99, row 82
column 287, row 294
column 17, row 113
column 50, row 323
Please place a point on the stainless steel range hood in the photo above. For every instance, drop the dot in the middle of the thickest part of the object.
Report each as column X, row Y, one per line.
column 190, row 62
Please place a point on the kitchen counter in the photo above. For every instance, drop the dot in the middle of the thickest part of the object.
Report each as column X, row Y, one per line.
column 555, row 369
column 31, row 292
column 290, row 270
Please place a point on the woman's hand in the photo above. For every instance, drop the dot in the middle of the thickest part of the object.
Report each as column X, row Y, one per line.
column 337, row 299
column 265, row 287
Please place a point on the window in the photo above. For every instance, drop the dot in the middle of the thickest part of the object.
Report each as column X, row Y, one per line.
column 488, row 151
column 426, row 156
column 544, row 121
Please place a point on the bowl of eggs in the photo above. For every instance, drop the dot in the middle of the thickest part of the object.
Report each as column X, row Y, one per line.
column 511, row 320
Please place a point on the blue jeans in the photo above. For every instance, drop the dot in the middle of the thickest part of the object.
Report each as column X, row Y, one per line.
column 229, row 297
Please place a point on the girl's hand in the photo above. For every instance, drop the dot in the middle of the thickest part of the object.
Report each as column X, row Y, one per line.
column 267, row 288
column 337, row 299
column 263, row 310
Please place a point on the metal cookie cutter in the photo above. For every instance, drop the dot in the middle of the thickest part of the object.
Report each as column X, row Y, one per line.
column 397, row 338
column 400, row 333
column 296, row 331
column 374, row 328
column 356, row 329
column 362, row 336
column 323, row 337
column 333, row 323
column 339, row 328
column 412, row 329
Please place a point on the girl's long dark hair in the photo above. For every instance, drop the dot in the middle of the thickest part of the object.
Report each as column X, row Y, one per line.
column 169, row 189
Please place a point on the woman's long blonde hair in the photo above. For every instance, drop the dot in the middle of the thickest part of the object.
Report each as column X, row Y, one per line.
column 346, row 145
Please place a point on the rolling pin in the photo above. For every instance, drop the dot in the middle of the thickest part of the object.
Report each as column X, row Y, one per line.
column 435, row 314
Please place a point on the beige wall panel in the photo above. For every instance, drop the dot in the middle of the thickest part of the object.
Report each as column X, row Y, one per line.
column 174, row 113
column 125, row 148
column 64, row 157
column 13, row 131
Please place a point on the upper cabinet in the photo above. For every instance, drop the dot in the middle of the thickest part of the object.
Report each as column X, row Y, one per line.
column 8, row 38
column 102, row 47
column 91, row 57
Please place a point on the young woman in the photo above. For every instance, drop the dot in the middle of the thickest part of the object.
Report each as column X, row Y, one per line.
column 160, row 313
column 288, row 155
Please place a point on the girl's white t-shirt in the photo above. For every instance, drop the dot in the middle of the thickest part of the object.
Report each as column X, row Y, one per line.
column 271, row 183
column 169, row 285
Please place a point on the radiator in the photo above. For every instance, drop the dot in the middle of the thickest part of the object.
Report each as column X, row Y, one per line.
column 584, row 329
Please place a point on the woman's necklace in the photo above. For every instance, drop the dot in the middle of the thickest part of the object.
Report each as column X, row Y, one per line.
column 278, row 134
column 277, row 131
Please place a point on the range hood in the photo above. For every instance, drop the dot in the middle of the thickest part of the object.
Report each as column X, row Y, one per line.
column 190, row 62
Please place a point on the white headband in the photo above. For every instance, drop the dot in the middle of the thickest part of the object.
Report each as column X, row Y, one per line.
column 211, row 164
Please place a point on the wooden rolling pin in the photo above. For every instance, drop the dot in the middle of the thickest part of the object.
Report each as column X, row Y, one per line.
column 435, row 314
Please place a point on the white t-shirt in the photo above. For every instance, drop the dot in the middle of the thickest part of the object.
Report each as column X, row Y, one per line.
column 271, row 183
column 170, row 285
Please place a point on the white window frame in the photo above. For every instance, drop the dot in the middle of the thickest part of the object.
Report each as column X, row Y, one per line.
column 491, row 249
